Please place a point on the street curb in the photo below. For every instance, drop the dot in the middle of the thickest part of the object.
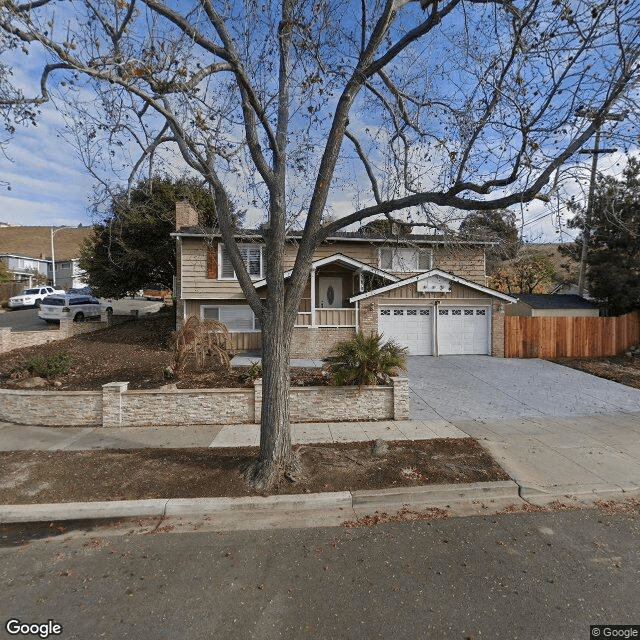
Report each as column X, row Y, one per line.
column 301, row 509
column 578, row 494
column 459, row 499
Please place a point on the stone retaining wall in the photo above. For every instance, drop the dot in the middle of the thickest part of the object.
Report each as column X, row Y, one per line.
column 10, row 340
column 117, row 406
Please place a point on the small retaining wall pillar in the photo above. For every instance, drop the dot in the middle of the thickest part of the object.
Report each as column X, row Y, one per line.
column 5, row 339
column 400, row 398
column 112, row 403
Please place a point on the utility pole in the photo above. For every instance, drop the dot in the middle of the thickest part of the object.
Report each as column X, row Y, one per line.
column 53, row 255
column 586, row 232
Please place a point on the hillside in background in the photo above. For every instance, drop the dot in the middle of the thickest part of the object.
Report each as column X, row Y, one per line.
column 35, row 242
column 566, row 270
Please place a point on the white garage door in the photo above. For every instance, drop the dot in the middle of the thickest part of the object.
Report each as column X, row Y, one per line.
column 463, row 330
column 411, row 327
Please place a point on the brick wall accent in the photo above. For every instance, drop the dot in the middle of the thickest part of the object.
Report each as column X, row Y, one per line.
column 10, row 340
column 317, row 342
column 369, row 316
column 497, row 329
column 186, row 215
column 117, row 406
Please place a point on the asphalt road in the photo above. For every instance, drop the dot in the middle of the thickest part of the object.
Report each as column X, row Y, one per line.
column 27, row 319
column 518, row 576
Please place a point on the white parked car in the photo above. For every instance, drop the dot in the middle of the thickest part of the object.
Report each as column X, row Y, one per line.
column 78, row 307
column 32, row 297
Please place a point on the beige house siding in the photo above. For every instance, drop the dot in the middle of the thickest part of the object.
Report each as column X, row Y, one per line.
column 465, row 262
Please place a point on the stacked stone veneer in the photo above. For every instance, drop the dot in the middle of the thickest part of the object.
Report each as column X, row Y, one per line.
column 117, row 406
column 10, row 340
column 51, row 408
column 318, row 342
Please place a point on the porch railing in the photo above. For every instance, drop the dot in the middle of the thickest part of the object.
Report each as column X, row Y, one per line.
column 328, row 317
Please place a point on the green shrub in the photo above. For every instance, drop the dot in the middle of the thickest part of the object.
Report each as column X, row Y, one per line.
column 253, row 373
column 364, row 360
column 56, row 364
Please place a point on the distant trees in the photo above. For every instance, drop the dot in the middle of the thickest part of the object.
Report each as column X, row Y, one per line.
column 132, row 247
column 5, row 274
column 613, row 249
column 526, row 274
column 385, row 227
column 497, row 225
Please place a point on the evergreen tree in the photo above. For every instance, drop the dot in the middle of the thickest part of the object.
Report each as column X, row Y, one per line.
column 132, row 248
column 613, row 250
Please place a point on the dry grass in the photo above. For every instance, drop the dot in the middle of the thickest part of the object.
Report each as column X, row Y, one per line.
column 35, row 242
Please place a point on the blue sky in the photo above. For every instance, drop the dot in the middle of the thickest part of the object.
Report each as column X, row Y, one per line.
column 50, row 186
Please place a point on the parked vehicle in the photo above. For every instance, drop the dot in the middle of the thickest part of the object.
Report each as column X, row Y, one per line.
column 32, row 297
column 156, row 292
column 77, row 307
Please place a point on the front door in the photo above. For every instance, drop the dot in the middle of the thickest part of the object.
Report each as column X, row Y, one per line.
column 330, row 293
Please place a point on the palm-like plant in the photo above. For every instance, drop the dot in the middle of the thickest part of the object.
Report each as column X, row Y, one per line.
column 364, row 359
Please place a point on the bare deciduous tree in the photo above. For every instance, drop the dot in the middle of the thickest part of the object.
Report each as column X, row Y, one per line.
column 421, row 107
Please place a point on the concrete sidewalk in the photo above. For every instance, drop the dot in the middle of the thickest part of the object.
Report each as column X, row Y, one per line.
column 26, row 438
column 573, row 460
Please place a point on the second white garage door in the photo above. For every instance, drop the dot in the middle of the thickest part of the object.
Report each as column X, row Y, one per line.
column 460, row 330
column 463, row 330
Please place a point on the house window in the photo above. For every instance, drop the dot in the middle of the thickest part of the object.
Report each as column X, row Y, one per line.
column 251, row 256
column 237, row 317
column 405, row 259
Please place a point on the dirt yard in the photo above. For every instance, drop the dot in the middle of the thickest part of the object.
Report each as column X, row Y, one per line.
column 29, row 477
column 134, row 352
column 622, row 369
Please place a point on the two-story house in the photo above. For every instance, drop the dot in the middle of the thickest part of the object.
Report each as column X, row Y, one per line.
column 427, row 293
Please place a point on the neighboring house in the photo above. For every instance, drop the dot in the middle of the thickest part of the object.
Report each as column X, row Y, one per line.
column 552, row 306
column 426, row 293
column 69, row 275
column 26, row 268
column 27, row 250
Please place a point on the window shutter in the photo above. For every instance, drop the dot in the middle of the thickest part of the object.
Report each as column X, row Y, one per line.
column 212, row 261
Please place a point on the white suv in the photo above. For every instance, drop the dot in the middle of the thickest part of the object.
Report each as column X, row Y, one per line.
column 75, row 306
column 32, row 297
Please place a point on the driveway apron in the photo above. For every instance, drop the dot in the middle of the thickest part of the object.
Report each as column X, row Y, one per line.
column 555, row 430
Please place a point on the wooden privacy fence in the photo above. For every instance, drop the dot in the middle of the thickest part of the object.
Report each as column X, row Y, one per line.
column 526, row 337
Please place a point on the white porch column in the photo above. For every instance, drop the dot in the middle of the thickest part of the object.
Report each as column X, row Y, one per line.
column 313, row 296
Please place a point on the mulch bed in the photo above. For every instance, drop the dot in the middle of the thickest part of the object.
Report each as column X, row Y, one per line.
column 29, row 477
column 622, row 369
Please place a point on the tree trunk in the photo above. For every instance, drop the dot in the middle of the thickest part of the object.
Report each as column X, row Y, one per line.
column 275, row 458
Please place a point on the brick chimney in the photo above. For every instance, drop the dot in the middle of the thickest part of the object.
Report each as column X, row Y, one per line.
column 186, row 215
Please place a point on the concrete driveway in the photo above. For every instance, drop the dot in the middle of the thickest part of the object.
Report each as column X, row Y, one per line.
column 558, row 432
